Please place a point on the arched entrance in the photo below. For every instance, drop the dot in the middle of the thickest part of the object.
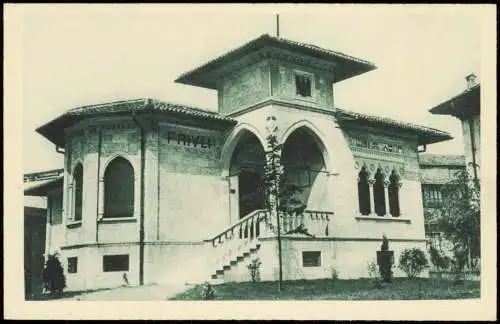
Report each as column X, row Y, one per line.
column 245, row 176
column 251, row 194
column 305, row 172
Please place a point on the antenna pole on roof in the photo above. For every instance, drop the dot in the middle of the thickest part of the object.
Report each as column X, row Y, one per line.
column 277, row 25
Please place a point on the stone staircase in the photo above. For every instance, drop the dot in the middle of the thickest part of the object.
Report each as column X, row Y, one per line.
column 237, row 246
column 236, row 269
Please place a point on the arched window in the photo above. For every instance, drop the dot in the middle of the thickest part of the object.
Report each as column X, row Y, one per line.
column 119, row 189
column 378, row 192
column 364, row 192
column 394, row 194
column 78, row 192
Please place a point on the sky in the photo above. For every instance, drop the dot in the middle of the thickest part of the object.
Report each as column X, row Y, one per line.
column 83, row 54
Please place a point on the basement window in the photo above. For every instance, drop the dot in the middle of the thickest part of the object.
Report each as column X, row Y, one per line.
column 112, row 263
column 72, row 265
column 303, row 84
column 311, row 259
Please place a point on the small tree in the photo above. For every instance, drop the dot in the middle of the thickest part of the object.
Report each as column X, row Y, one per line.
column 272, row 180
column 412, row 262
column 281, row 195
column 53, row 275
column 459, row 217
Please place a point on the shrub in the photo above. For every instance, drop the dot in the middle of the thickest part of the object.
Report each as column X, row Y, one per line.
column 441, row 262
column 412, row 262
column 476, row 266
column 254, row 269
column 373, row 273
column 205, row 291
column 335, row 274
column 53, row 275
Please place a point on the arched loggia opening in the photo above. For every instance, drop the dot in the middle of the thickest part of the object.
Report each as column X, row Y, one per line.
column 305, row 172
column 379, row 194
column 394, row 194
column 364, row 192
column 246, row 174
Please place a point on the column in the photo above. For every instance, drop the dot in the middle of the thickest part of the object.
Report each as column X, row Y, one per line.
column 371, row 182
column 400, row 184
column 69, row 204
column 386, row 194
column 151, row 217
column 90, row 185
column 100, row 207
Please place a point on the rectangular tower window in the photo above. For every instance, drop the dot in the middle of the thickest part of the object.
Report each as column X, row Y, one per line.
column 303, row 85
column 115, row 263
column 311, row 259
column 72, row 265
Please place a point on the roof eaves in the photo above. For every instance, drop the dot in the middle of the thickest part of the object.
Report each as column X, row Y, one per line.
column 445, row 107
column 74, row 115
column 41, row 188
column 266, row 39
column 422, row 130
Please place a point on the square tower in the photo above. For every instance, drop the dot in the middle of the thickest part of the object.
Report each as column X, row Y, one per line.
column 270, row 69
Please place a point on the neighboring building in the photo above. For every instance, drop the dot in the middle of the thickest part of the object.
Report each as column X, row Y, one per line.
column 35, row 228
column 466, row 106
column 436, row 171
column 166, row 192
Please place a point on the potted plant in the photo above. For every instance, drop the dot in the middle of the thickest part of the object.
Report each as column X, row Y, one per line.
column 385, row 260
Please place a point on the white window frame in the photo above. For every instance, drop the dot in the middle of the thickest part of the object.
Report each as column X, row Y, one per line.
column 311, row 77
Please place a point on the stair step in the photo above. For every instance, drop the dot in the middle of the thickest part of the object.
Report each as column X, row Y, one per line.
column 226, row 267
column 219, row 272
column 233, row 262
column 214, row 276
column 245, row 254
column 239, row 258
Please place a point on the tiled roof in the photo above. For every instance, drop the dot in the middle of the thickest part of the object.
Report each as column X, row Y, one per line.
column 54, row 130
column 465, row 103
column 40, row 187
column 426, row 135
column 441, row 160
column 348, row 66
column 143, row 105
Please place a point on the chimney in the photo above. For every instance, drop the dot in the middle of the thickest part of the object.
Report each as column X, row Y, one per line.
column 471, row 80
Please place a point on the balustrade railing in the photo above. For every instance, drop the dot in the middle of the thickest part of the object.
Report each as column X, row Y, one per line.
column 315, row 222
column 242, row 236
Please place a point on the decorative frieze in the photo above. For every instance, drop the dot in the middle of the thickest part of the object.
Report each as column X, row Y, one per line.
column 372, row 165
column 375, row 145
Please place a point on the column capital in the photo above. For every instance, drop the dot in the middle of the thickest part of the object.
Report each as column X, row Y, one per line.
column 386, row 183
column 371, row 181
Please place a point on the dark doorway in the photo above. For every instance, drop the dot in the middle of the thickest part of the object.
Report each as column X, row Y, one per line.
column 251, row 193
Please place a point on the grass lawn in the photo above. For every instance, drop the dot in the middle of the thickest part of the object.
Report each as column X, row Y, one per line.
column 326, row 289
